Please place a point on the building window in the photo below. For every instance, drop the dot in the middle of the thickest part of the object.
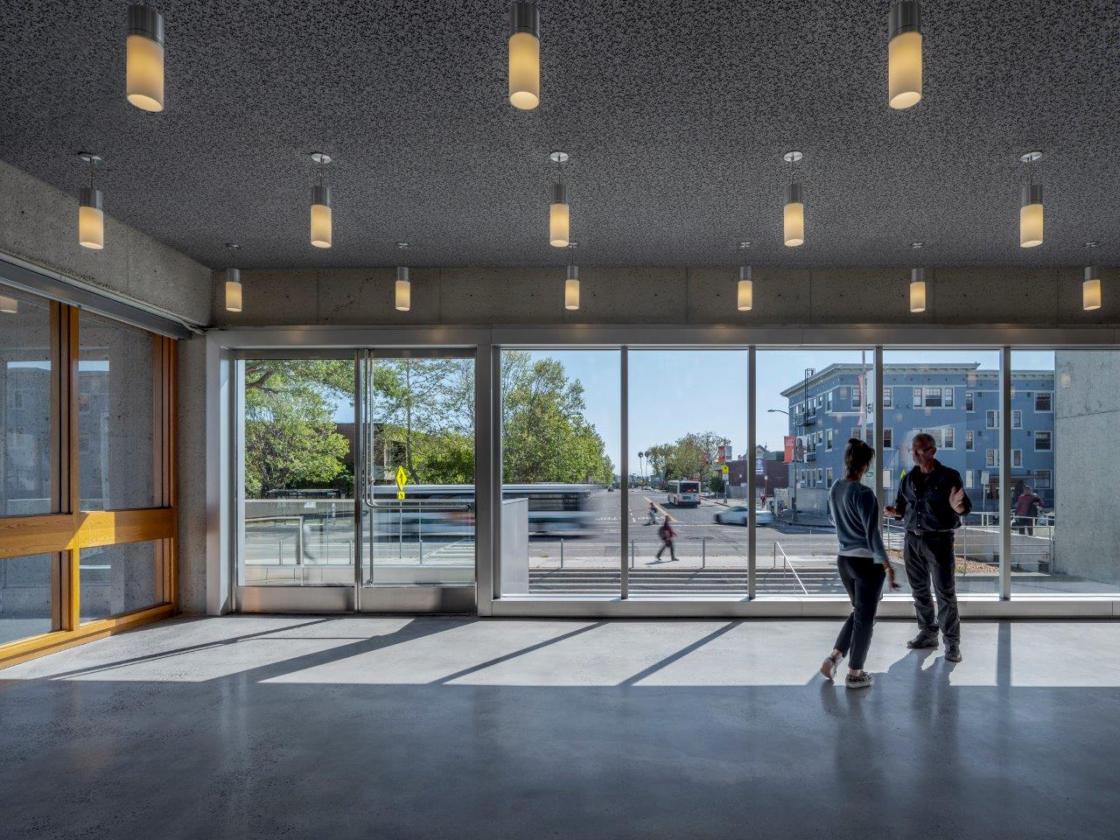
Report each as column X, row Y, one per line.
column 968, row 480
column 857, row 395
column 888, row 438
column 947, row 394
column 1016, row 419
column 991, row 457
column 1042, row 442
column 828, row 400
column 969, row 440
column 948, row 438
column 888, row 398
column 1043, row 401
column 1016, row 457
column 828, row 440
column 991, row 418
column 969, row 401
column 1042, row 479
column 828, row 476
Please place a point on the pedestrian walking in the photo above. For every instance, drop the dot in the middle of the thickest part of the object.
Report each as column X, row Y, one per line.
column 1027, row 508
column 930, row 502
column 652, row 518
column 667, row 534
column 862, row 562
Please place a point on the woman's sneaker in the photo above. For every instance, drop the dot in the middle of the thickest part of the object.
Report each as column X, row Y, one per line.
column 864, row 680
column 831, row 667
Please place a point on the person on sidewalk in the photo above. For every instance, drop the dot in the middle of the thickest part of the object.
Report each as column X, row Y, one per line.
column 652, row 517
column 667, row 534
column 931, row 501
column 1027, row 507
column 862, row 562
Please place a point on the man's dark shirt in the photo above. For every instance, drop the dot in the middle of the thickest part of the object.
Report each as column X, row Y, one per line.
column 923, row 499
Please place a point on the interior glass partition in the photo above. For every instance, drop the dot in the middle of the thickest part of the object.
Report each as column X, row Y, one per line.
column 953, row 395
column 1063, row 506
column 561, row 509
column 809, row 403
column 688, row 438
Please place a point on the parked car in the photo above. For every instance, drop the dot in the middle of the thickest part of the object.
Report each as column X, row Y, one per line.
column 738, row 516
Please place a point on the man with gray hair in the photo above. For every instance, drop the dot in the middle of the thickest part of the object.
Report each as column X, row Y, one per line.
column 930, row 502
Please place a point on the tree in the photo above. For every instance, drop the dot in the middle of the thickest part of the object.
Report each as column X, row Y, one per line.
column 546, row 437
column 290, row 436
column 691, row 456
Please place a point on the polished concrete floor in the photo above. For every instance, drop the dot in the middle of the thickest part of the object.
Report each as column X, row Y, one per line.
column 312, row 727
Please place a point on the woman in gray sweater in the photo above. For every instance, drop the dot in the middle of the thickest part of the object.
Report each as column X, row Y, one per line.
column 862, row 562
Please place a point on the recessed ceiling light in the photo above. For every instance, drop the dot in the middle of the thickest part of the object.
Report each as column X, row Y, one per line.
column 917, row 245
column 1092, row 243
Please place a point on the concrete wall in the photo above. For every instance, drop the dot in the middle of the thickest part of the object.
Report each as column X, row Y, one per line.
column 1087, row 463
column 465, row 296
column 39, row 224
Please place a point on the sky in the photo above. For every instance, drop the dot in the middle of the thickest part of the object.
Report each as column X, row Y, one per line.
column 674, row 392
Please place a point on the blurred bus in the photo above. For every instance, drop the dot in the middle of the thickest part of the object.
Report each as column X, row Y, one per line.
column 684, row 493
column 447, row 510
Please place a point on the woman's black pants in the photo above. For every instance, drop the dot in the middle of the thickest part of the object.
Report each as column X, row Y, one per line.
column 863, row 579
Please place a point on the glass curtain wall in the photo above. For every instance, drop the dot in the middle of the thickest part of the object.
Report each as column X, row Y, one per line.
column 809, row 403
column 688, row 440
column 1065, row 532
column 561, row 508
column 952, row 395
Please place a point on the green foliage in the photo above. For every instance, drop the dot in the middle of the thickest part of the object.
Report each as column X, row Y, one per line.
column 290, row 434
column 692, row 456
column 545, row 435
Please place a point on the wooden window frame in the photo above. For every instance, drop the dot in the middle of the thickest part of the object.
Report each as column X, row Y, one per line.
column 67, row 530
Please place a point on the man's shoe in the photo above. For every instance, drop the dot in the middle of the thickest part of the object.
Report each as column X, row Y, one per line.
column 953, row 653
column 923, row 640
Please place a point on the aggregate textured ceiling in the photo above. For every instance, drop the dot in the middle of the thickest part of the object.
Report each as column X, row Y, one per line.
column 676, row 114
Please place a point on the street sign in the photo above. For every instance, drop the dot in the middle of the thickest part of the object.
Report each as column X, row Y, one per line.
column 402, row 480
column 726, row 469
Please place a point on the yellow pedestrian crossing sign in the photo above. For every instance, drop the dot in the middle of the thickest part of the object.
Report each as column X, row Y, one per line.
column 402, row 480
column 726, row 469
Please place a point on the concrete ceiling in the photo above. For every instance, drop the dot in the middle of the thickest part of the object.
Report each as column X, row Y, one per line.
column 676, row 114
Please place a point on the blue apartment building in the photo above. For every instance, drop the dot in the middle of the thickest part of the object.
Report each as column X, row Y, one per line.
column 957, row 403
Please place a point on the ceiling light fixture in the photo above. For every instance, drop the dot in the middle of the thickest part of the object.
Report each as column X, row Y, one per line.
column 321, row 224
column 144, row 58
column 794, row 213
column 233, row 298
column 402, row 289
column 559, row 214
column 91, row 216
column 525, row 56
column 918, row 291
column 1030, row 208
column 1091, row 285
column 571, row 284
column 904, row 55
column 745, row 297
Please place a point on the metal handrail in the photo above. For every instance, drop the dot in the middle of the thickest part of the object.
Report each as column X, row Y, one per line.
column 789, row 567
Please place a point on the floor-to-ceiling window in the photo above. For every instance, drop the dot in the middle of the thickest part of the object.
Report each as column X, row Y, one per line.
column 561, row 508
column 86, row 474
column 809, row 403
column 688, row 430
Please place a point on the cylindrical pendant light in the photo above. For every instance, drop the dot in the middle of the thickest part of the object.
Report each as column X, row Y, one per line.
column 571, row 288
column 9, row 305
column 321, row 223
column 917, row 290
column 525, row 56
column 233, row 290
column 403, row 290
column 559, row 214
column 793, row 216
column 1031, row 213
column 1091, row 289
column 904, row 55
column 745, row 297
column 91, row 215
column 144, row 58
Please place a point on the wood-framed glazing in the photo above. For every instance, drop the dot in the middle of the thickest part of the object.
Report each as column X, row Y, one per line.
column 66, row 530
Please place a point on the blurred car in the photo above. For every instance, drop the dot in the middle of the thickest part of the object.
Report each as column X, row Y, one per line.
column 738, row 516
